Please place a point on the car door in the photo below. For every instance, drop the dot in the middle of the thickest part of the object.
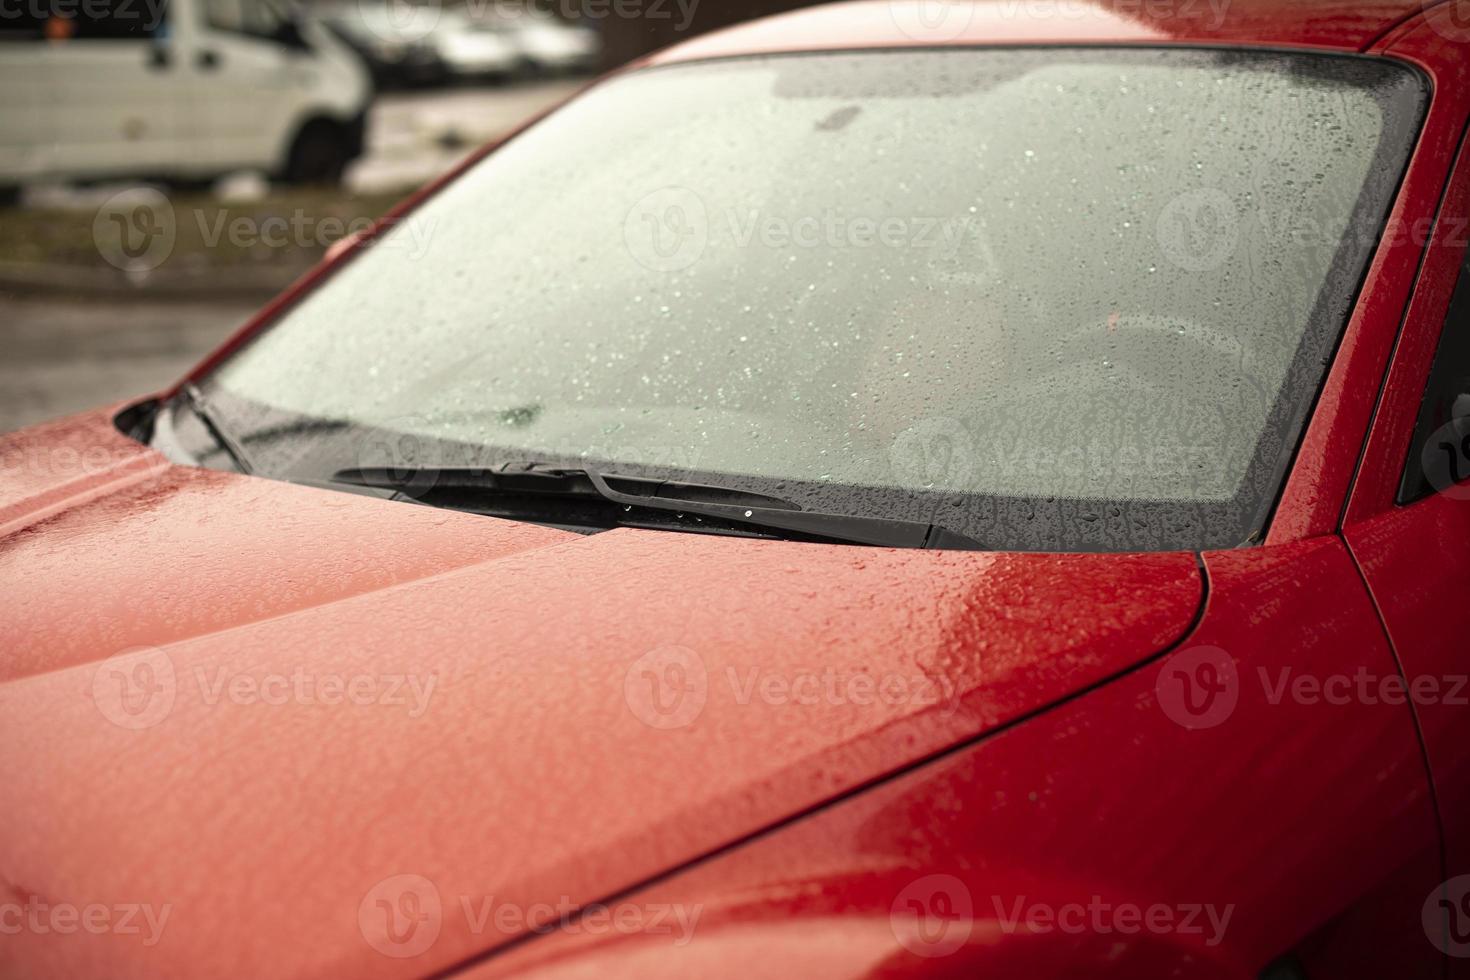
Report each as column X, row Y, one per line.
column 247, row 83
column 1407, row 522
column 117, row 94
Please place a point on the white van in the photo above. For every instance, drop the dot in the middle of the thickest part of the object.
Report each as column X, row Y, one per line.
column 178, row 90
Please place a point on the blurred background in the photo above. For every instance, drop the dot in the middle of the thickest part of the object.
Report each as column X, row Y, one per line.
column 167, row 166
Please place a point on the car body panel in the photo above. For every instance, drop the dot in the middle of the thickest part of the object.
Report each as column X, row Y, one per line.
column 1416, row 558
column 1343, row 25
column 531, row 659
column 1255, row 811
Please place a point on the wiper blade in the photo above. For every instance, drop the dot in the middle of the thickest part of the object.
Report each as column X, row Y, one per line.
column 725, row 503
column 199, row 405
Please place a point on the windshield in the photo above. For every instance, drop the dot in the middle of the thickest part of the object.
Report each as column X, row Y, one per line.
column 1063, row 299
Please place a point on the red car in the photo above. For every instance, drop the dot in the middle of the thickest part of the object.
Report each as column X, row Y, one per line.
column 932, row 489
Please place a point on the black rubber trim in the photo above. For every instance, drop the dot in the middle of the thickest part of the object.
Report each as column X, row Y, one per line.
column 1398, row 338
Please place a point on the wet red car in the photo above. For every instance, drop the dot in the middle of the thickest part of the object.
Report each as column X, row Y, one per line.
column 931, row 489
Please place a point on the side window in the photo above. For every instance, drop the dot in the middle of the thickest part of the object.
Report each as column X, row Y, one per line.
column 253, row 18
column 62, row 21
column 1439, row 456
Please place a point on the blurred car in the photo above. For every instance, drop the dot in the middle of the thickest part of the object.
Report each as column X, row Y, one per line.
column 471, row 49
column 547, row 45
column 558, row 48
column 397, row 44
column 186, row 91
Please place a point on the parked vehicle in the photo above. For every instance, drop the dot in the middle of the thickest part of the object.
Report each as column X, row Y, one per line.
column 861, row 494
column 476, row 50
column 187, row 91
column 554, row 47
column 396, row 42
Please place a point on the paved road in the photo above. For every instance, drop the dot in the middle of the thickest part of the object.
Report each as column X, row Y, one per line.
column 61, row 357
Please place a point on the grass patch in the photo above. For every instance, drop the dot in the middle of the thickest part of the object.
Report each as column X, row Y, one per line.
column 289, row 229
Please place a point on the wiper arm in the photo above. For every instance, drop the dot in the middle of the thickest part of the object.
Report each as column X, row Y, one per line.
column 199, row 405
column 880, row 532
column 725, row 503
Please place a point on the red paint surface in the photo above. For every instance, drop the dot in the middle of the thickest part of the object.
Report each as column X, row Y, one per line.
column 530, row 777
column 1416, row 558
column 530, row 740
column 1338, row 24
column 1298, row 816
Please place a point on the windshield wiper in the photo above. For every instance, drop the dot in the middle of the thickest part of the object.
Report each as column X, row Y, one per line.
column 199, row 405
column 729, row 504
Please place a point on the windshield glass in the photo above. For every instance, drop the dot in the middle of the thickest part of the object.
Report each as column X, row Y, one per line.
column 1053, row 299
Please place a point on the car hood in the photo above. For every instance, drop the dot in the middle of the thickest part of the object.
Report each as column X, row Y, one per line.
column 302, row 732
